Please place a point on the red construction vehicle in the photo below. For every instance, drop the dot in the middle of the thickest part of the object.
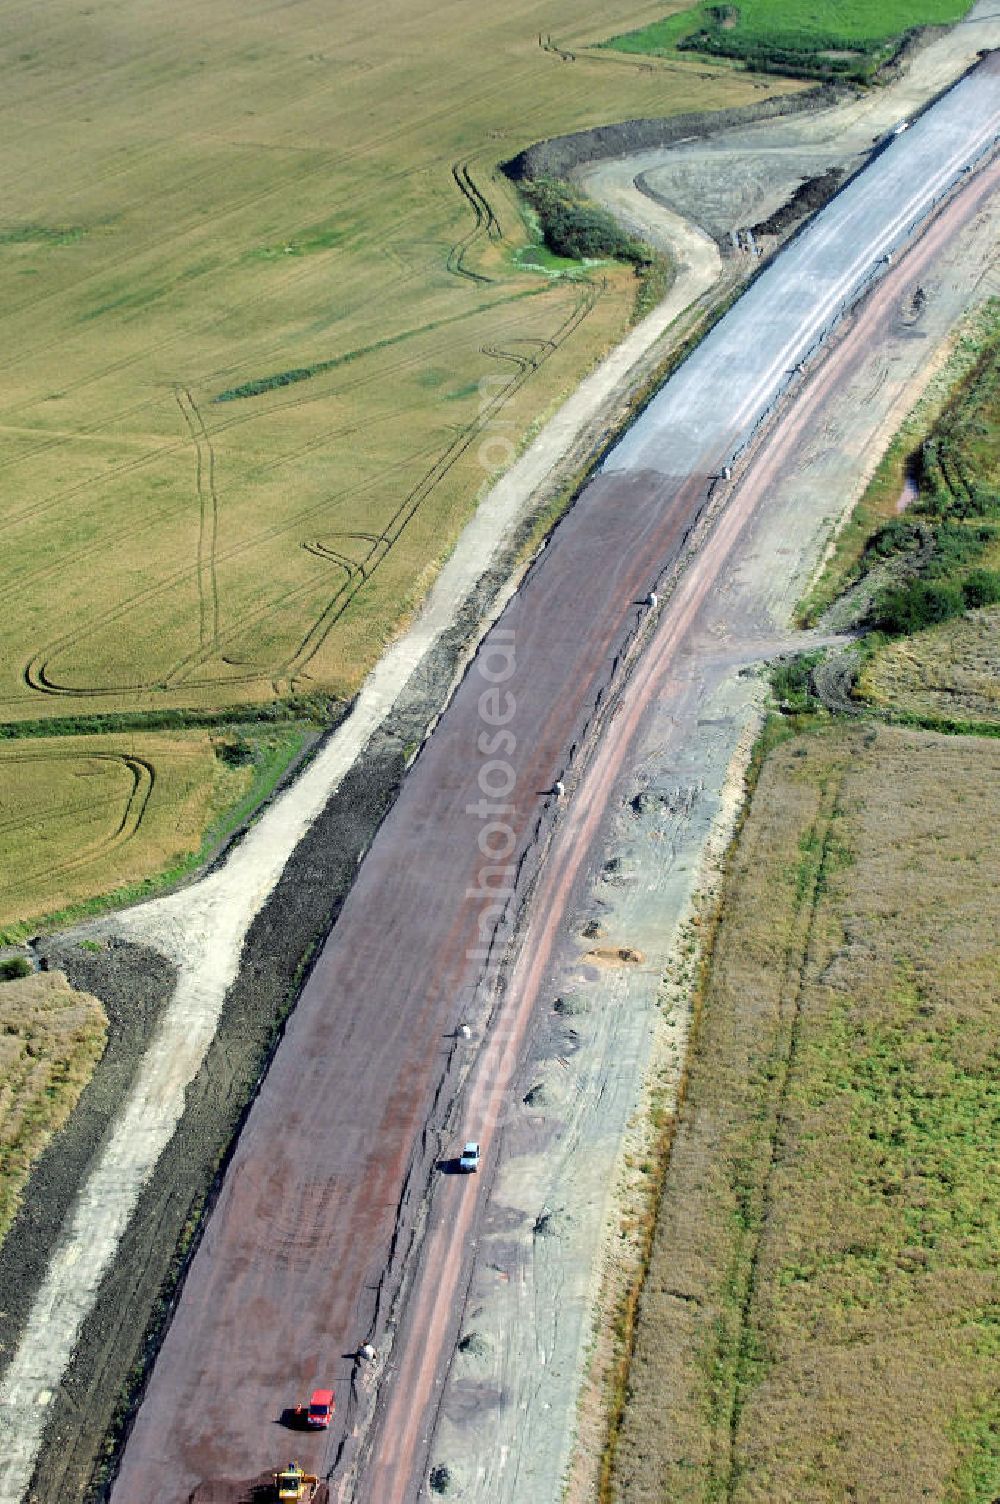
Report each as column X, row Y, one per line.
column 317, row 1415
column 321, row 1408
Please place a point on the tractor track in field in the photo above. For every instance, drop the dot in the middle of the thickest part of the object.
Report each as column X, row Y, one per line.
column 142, row 774
column 37, row 510
column 486, row 224
column 39, row 677
column 208, row 520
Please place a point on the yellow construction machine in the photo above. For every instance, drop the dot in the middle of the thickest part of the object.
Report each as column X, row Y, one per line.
column 293, row 1483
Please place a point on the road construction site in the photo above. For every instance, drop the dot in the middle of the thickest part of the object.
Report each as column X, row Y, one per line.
column 314, row 1244
column 334, row 1224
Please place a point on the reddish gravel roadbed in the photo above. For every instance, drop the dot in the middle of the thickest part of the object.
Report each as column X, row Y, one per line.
column 309, row 1233
column 303, row 1254
column 395, row 1464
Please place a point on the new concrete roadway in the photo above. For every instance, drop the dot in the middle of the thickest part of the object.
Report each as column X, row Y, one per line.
column 317, row 1233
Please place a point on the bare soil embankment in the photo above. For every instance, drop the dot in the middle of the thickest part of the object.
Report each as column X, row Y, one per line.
column 563, row 155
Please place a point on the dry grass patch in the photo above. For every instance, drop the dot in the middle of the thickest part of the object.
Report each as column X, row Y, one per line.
column 819, row 1320
column 949, row 672
column 51, row 1038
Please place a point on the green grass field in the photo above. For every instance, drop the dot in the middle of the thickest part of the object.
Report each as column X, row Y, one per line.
column 827, row 38
column 269, row 330
column 818, row 1322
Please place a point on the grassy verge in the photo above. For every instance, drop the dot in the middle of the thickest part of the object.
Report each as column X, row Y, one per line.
column 258, row 385
column 50, row 1040
column 962, row 397
column 318, row 710
column 824, row 40
column 828, row 1221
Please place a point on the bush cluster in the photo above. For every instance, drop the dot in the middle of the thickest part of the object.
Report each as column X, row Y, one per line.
column 791, row 681
column 235, row 754
column 808, row 56
column 903, row 609
column 578, row 230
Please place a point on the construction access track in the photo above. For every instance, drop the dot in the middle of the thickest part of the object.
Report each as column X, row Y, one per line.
column 316, row 1239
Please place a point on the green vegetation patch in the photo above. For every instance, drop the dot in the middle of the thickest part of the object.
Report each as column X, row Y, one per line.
column 538, row 258
column 791, row 682
column 576, row 233
column 950, row 535
column 40, row 234
column 828, row 39
column 260, row 384
column 574, row 229
column 922, row 547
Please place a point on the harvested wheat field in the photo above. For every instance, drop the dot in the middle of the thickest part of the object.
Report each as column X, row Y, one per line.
column 80, row 816
column 50, row 1040
column 819, row 1321
column 264, row 335
column 267, row 334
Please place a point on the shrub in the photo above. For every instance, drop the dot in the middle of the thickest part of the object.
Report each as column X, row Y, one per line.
column 14, row 967
column 955, row 546
column 235, row 754
column 902, row 609
column 791, row 682
column 578, row 230
column 982, row 588
column 895, row 537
